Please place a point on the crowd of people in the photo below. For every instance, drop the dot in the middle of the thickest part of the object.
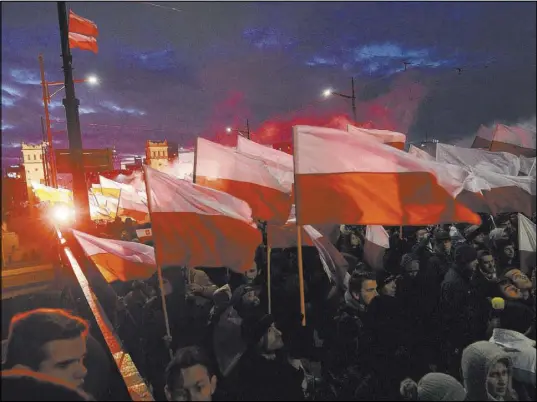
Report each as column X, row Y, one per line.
column 450, row 317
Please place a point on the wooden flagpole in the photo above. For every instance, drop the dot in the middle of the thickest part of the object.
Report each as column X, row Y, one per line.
column 159, row 268
column 269, row 287
column 299, row 235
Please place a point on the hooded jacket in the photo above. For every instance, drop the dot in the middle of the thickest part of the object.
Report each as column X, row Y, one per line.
column 440, row 387
column 477, row 360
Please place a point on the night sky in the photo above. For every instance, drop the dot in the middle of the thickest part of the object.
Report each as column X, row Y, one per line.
column 192, row 71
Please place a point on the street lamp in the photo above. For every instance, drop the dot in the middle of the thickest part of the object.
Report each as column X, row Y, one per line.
column 92, row 80
column 328, row 92
column 244, row 133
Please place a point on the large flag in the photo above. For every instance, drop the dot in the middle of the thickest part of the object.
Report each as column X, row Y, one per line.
column 285, row 236
column 392, row 138
column 515, row 140
column 526, row 243
column 420, row 153
column 198, row 226
column 376, row 243
column 118, row 260
column 353, row 179
column 182, row 168
column 82, row 33
column 498, row 162
column 278, row 163
column 51, row 194
column 483, row 137
column 244, row 177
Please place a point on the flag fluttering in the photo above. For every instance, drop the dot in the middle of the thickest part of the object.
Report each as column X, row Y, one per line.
column 527, row 244
column 118, row 260
column 376, row 243
column 195, row 226
column 82, row 33
column 391, row 138
column 515, row 140
column 351, row 178
column 243, row 176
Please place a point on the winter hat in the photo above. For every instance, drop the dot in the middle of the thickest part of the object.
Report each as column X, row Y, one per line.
column 254, row 328
column 440, row 387
column 441, row 235
column 407, row 259
column 465, row 254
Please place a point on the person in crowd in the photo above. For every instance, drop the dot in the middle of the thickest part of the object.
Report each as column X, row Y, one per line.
column 516, row 314
column 348, row 342
column 476, row 236
column 48, row 341
column 506, row 255
column 386, row 283
column 264, row 372
column 190, row 376
column 28, row 385
column 433, row 387
column 463, row 311
column 486, row 277
column 521, row 281
column 487, row 372
column 422, row 247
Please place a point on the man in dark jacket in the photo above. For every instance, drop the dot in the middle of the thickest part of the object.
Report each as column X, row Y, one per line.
column 463, row 310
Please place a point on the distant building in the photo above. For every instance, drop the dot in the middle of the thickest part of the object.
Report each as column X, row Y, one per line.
column 160, row 154
column 33, row 160
column 134, row 163
column 14, row 189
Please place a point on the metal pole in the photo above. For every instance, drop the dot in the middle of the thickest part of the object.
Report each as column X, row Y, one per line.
column 80, row 190
column 46, row 166
column 247, row 129
column 353, row 98
column 46, row 99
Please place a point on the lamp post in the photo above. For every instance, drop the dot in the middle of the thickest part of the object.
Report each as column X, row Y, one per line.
column 52, row 176
column 244, row 133
column 352, row 96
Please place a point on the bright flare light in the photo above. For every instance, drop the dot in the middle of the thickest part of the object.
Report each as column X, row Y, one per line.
column 327, row 93
column 228, row 129
column 92, row 80
column 62, row 214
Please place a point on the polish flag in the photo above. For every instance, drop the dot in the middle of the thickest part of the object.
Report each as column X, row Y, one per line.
column 526, row 243
column 83, row 42
column 118, row 260
column 198, row 226
column 515, row 140
column 377, row 241
column 82, row 26
column 392, row 138
column 243, row 176
column 278, row 163
column 352, row 179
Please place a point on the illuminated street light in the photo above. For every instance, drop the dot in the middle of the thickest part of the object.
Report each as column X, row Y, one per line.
column 92, row 80
column 229, row 129
column 244, row 133
column 328, row 92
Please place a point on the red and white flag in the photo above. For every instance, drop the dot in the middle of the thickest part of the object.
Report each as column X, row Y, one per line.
column 527, row 243
column 244, row 177
column 392, row 138
column 350, row 178
column 515, row 140
column 377, row 241
column 83, row 42
column 118, row 260
column 133, row 204
column 82, row 33
column 198, row 226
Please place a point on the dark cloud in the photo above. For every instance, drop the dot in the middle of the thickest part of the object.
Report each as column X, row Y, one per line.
column 178, row 74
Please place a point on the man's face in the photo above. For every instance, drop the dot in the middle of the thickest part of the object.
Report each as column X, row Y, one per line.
column 65, row 360
column 510, row 291
column 389, row 289
column 368, row 292
column 497, row 381
column 412, row 269
column 251, row 274
column 509, row 251
column 488, row 267
column 443, row 246
column 355, row 240
column 272, row 341
column 194, row 385
column 472, row 266
column 420, row 234
column 479, row 239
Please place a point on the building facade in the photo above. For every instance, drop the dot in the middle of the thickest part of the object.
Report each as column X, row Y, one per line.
column 33, row 160
column 160, row 154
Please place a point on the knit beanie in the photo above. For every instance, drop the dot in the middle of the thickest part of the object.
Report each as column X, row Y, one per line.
column 384, row 277
column 254, row 328
column 465, row 254
column 440, row 387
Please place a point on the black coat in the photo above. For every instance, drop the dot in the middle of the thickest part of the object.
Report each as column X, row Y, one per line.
column 464, row 311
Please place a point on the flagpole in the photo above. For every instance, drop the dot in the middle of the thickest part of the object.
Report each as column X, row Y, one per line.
column 299, row 236
column 195, row 161
column 119, row 200
column 269, row 291
column 159, row 268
